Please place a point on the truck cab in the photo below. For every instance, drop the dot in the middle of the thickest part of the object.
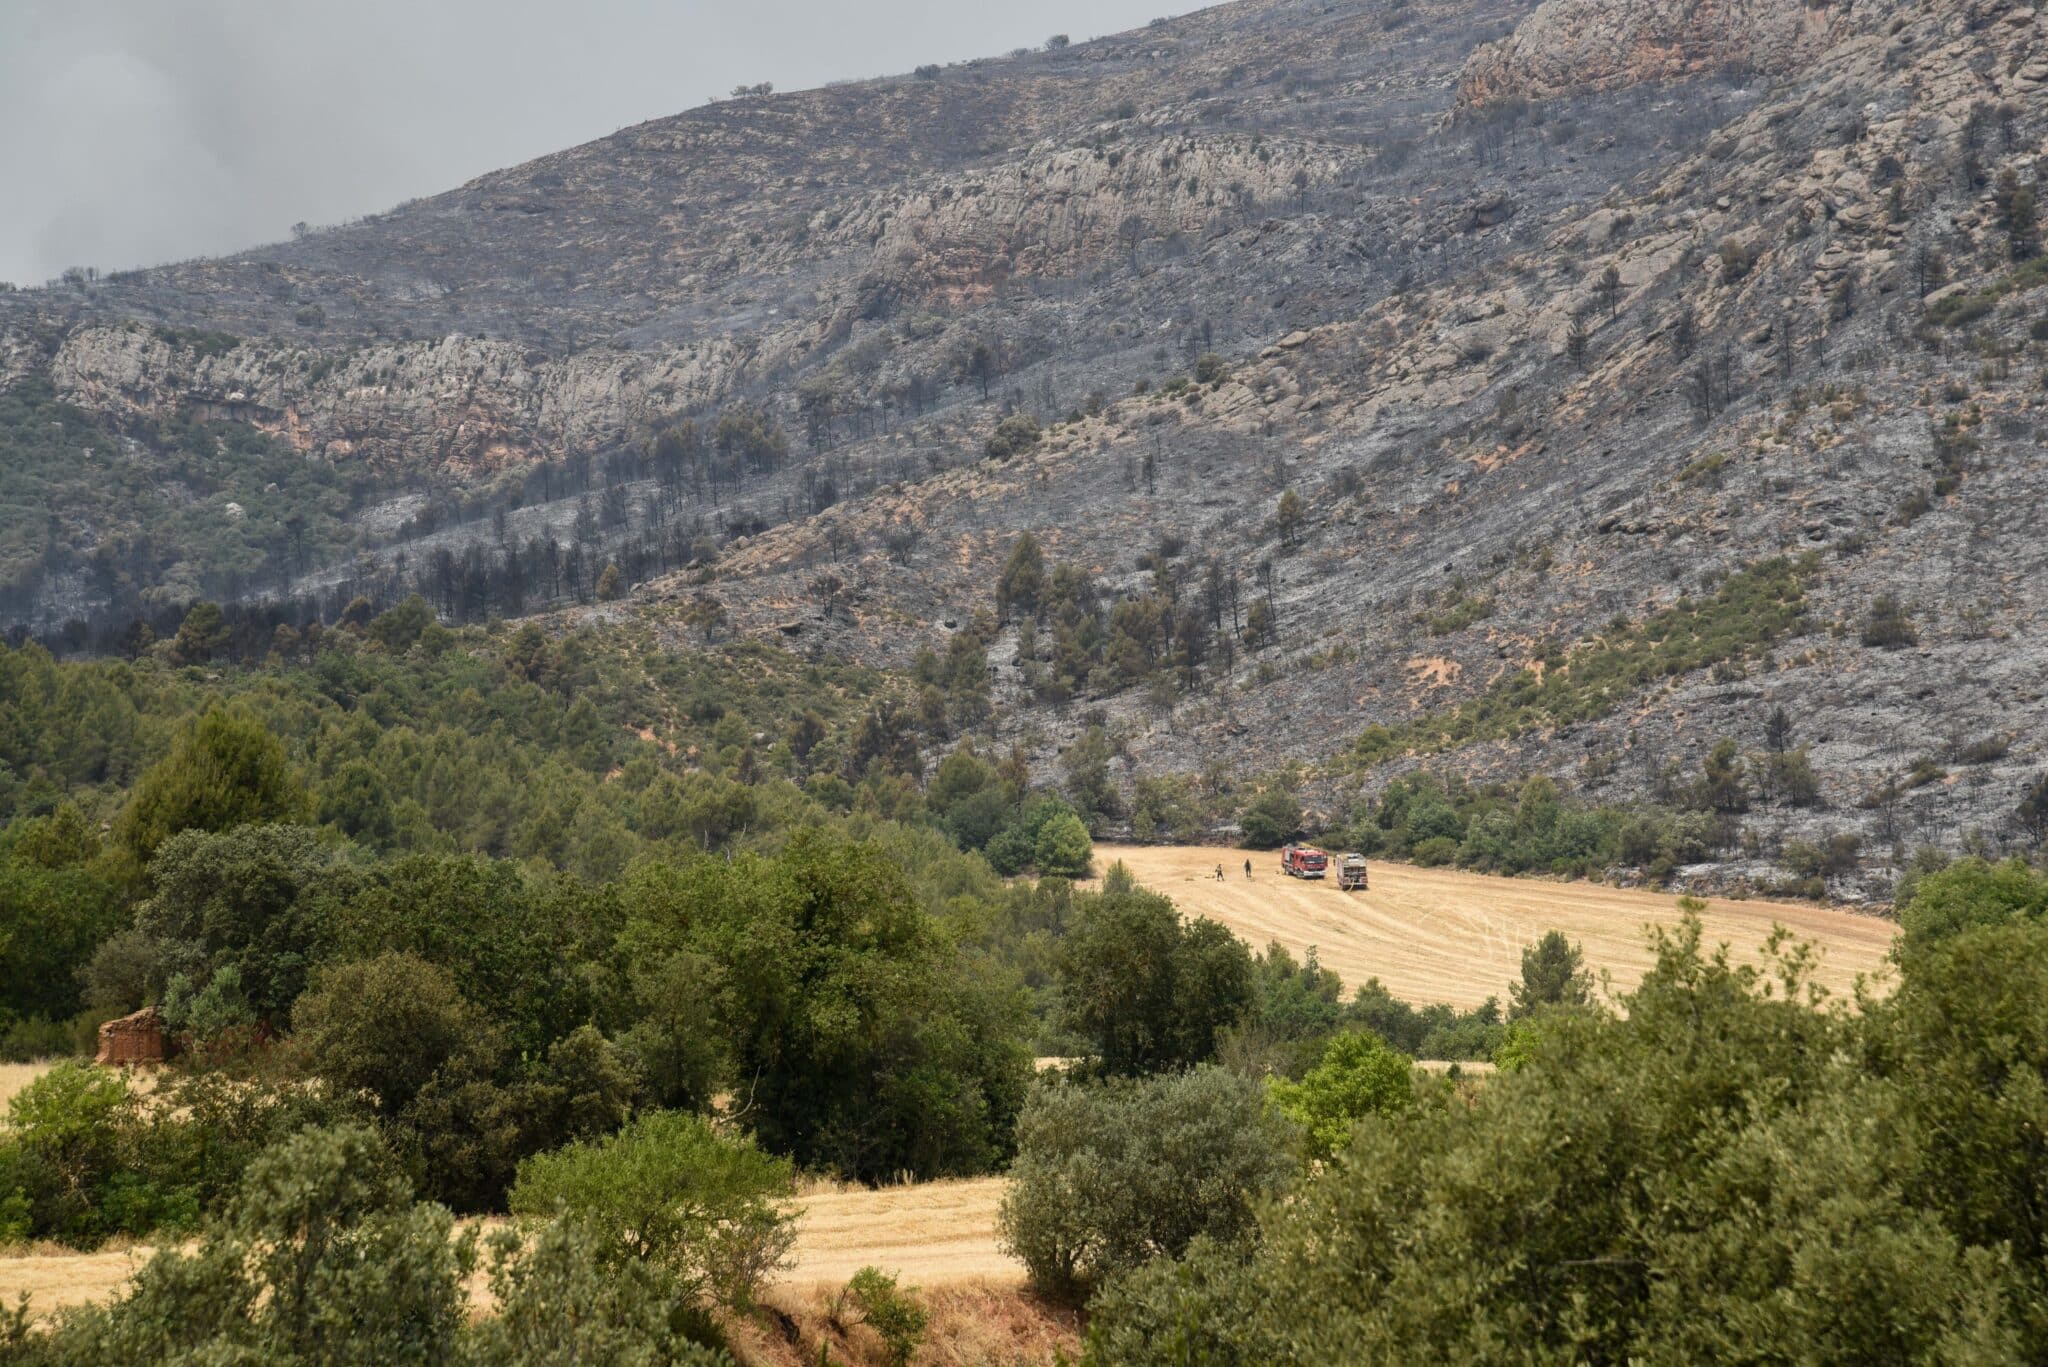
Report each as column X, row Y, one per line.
column 1303, row 861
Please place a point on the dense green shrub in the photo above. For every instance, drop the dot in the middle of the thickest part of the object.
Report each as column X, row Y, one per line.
column 1112, row 1174
column 1968, row 894
column 321, row 1257
column 672, row 1191
column 561, row 1299
column 1270, row 819
column 1495, row 828
column 1717, row 1170
column 1016, row 433
column 887, row 1309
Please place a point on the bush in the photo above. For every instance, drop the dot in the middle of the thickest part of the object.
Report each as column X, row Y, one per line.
column 1435, row 852
column 671, row 1191
column 1017, row 433
column 1967, row 895
column 62, row 1159
column 1111, row 1175
column 888, row 1310
column 1721, row 1171
column 560, row 1300
column 1889, row 625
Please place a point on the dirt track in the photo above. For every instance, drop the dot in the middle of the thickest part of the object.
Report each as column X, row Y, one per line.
column 1436, row 935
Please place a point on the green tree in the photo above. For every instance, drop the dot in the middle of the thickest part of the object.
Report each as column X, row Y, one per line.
column 1289, row 515
column 672, row 1191
column 1967, row 895
column 1087, row 768
column 1721, row 786
column 1553, row 975
column 1963, row 1048
column 1113, row 1174
column 398, row 628
column 2018, row 215
column 1022, row 581
column 201, row 636
column 863, row 1043
column 1358, row 1076
column 1063, row 848
column 255, row 900
column 1270, row 819
column 387, row 1027
column 51, row 922
column 1149, row 991
column 225, row 770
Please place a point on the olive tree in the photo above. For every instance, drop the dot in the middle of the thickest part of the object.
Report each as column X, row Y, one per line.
column 1111, row 1174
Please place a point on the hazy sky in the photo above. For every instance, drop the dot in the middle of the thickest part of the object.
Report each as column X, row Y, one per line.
column 140, row 131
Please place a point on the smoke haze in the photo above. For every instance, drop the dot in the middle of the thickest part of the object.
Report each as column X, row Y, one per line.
column 143, row 131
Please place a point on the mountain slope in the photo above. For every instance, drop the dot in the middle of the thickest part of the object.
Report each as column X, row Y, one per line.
column 1557, row 321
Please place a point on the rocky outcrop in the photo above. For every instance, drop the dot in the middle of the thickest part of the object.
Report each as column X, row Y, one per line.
column 1575, row 46
column 1062, row 207
column 459, row 406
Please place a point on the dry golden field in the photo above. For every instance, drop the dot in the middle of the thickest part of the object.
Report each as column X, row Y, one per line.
column 1439, row 935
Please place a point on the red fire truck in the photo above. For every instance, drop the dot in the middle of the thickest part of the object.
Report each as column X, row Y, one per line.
column 1303, row 861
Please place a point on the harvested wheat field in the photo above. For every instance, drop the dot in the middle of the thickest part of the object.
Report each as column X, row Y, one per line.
column 928, row 1233
column 14, row 1077
column 924, row 1232
column 55, row 1279
column 1433, row 935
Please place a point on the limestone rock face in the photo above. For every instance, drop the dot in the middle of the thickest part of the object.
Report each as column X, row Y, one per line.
column 1581, row 45
column 457, row 404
